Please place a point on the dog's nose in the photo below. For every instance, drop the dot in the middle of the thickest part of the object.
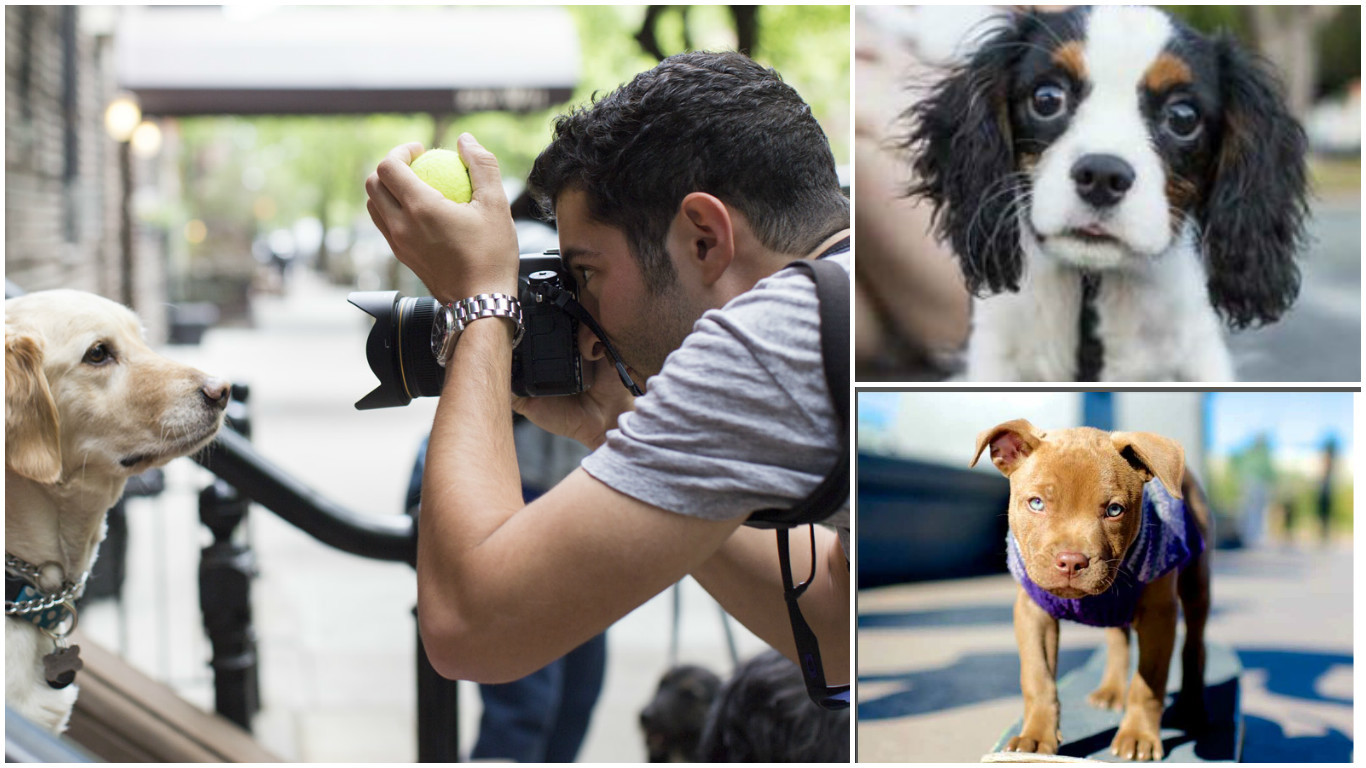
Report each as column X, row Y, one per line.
column 1072, row 562
column 1103, row 180
column 217, row 392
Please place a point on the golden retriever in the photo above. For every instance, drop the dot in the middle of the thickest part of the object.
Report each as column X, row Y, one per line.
column 87, row 405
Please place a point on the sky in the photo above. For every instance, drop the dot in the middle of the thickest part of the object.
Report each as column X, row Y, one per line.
column 1296, row 421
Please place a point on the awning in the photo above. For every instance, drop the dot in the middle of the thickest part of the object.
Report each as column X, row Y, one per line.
column 187, row 60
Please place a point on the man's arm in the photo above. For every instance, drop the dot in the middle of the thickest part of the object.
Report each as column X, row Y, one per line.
column 745, row 579
column 505, row 589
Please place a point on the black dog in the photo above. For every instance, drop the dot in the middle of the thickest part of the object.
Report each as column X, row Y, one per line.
column 764, row 715
column 674, row 718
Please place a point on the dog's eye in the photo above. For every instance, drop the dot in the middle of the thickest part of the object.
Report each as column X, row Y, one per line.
column 1182, row 120
column 1036, row 504
column 1048, row 102
column 100, row 354
column 1114, row 510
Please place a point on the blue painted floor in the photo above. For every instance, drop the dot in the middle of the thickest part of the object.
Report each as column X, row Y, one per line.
column 938, row 672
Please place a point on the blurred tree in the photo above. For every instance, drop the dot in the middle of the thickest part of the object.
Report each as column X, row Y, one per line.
column 746, row 18
column 1317, row 48
column 1288, row 35
column 1340, row 51
column 266, row 173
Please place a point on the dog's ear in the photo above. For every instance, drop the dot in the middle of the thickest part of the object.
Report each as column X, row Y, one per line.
column 1252, row 220
column 32, row 439
column 1010, row 443
column 1153, row 456
column 964, row 162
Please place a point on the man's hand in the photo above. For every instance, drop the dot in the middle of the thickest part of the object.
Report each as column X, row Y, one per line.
column 458, row 250
column 587, row 416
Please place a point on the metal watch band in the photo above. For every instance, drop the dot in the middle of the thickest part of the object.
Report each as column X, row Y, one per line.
column 490, row 305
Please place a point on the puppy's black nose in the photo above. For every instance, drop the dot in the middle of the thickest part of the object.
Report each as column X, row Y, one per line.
column 1071, row 563
column 217, row 393
column 1103, row 180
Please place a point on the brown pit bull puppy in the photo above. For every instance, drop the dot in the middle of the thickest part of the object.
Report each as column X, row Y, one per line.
column 1107, row 529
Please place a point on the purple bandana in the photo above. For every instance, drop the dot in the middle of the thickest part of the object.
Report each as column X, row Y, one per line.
column 1167, row 538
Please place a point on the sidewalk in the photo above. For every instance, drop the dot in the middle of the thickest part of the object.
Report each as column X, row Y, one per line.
column 939, row 671
column 336, row 632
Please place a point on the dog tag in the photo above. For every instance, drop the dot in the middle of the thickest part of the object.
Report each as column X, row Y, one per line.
column 60, row 666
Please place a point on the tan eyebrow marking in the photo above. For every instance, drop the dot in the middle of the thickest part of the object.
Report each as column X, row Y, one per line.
column 1167, row 72
column 1071, row 57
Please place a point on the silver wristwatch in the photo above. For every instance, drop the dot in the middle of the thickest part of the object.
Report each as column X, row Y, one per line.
column 453, row 318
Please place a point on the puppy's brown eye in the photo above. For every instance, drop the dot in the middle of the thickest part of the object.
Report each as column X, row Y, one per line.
column 100, row 354
column 1114, row 510
column 1048, row 102
column 1182, row 120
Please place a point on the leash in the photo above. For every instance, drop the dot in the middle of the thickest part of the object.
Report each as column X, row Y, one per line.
column 1090, row 350
column 53, row 613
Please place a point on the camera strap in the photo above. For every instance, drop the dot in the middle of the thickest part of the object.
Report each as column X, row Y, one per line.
column 566, row 302
column 832, row 295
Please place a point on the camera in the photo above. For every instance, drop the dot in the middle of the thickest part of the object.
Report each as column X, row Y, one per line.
column 546, row 362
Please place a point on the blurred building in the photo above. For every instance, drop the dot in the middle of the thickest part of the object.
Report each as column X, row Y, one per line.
column 63, row 185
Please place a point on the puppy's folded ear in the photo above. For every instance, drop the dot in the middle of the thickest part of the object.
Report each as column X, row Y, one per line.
column 964, row 162
column 1010, row 443
column 1153, row 456
column 32, row 439
column 1253, row 216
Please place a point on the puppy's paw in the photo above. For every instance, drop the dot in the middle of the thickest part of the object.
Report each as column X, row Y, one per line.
column 1038, row 744
column 1136, row 744
column 1107, row 697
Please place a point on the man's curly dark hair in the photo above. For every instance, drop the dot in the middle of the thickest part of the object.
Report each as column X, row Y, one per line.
column 698, row 122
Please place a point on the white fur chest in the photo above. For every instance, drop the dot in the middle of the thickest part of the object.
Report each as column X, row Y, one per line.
column 26, row 689
column 1154, row 324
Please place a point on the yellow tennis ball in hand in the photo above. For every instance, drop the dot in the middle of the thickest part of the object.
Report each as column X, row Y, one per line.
column 444, row 170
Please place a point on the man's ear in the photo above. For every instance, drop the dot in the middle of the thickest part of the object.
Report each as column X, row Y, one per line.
column 1011, row 442
column 1153, row 456
column 704, row 230
column 32, row 441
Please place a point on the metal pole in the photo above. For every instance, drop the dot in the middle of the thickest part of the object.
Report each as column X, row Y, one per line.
column 438, row 713
column 226, row 569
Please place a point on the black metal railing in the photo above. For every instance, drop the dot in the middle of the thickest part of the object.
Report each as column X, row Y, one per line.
column 245, row 476
column 378, row 537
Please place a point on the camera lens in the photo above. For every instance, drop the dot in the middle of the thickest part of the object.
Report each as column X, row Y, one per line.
column 399, row 348
column 421, row 374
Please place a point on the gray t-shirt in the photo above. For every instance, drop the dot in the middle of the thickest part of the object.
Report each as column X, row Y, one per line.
column 740, row 417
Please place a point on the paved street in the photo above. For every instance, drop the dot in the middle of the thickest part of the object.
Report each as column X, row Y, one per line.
column 337, row 631
column 939, row 671
column 1320, row 338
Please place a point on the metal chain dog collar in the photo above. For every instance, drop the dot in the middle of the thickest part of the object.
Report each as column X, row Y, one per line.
column 34, row 603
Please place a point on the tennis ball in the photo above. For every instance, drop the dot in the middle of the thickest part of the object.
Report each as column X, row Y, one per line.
column 444, row 170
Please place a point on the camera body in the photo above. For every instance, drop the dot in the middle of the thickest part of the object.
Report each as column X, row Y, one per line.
column 545, row 363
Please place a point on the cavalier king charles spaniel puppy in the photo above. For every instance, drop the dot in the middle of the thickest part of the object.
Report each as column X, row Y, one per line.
column 1117, row 188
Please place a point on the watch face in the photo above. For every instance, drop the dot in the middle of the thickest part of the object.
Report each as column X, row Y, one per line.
column 441, row 326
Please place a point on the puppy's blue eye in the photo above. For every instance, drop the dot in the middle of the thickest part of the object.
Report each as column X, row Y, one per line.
column 1114, row 510
column 1048, row 102
column 1182, row 120
column 1036, row 504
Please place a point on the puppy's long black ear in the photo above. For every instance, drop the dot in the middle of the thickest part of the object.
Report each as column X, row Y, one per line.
column 964, row 162
column 1253, row 217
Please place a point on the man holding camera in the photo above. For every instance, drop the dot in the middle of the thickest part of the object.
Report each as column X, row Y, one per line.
column 678, row 198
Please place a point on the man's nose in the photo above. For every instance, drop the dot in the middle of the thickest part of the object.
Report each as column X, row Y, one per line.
column 590, row 347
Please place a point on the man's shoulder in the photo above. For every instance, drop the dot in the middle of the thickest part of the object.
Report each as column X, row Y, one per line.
column 789, row 286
